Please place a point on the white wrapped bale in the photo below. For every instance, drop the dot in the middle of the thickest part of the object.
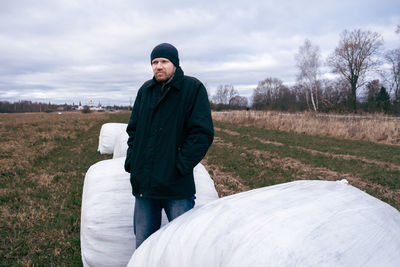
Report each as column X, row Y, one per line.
column 303, row 223
column 121, row 145
column 205, row 188
column 108, row 134
column 107, row 237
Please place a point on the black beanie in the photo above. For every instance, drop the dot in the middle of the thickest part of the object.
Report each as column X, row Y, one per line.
column 166, row 50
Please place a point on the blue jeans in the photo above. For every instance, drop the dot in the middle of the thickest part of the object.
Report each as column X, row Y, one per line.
column 147, row 214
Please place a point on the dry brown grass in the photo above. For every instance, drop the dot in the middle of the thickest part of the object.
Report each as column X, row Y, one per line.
column 375, row 129
column 226, row 183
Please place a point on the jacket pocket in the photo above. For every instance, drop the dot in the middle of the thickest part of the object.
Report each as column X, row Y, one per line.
column 127, row 164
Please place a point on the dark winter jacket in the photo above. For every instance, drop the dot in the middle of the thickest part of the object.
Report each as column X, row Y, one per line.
column 170, row 131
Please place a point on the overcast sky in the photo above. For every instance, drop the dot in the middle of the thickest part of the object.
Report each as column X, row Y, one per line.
column 77, row 50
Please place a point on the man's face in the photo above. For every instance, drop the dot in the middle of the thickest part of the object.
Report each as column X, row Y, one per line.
column 163, row 69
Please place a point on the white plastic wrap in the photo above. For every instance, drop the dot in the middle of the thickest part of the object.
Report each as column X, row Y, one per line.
column 108, row 134
column 302, row 223
column 107, row 237
column 205, row 188
column 106, row 218
column 121, row 145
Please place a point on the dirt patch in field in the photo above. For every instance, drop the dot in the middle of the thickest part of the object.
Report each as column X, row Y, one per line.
column 220, row 142
column 226, row 131
column 225, row 183
column 255, row 138
column 267, row 141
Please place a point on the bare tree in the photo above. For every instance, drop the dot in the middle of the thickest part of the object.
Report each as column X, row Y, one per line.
column 224, row 94
column 393, row 77
column 238, row 102
column 308, row 62
column 354, row 57
column 335, row 95
column 267, row 93
column 393, row 58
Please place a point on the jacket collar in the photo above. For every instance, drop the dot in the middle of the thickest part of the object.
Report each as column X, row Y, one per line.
column 175, row 82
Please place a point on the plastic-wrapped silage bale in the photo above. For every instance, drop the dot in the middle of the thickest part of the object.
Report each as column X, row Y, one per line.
column 121, row 145
column 302, row 223
column 107, row 237
column 108, row 134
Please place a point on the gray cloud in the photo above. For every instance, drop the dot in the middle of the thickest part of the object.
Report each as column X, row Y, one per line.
column 70, row 51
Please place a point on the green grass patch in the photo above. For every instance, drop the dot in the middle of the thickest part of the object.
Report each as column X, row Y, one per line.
column 244, row 165
column 369, row 150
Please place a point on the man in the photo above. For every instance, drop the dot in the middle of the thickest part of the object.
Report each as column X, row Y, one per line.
column 170, row 131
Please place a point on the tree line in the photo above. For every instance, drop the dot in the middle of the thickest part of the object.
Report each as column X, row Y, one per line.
column 29, row 106
column 366, row 79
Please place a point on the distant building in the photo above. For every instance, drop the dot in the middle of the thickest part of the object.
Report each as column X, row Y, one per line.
column 80, row 107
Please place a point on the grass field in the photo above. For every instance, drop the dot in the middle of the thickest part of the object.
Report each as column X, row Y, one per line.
column 44, row 158
column 250, row 157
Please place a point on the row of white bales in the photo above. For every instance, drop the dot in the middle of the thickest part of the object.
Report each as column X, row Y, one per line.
column 301, row 223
